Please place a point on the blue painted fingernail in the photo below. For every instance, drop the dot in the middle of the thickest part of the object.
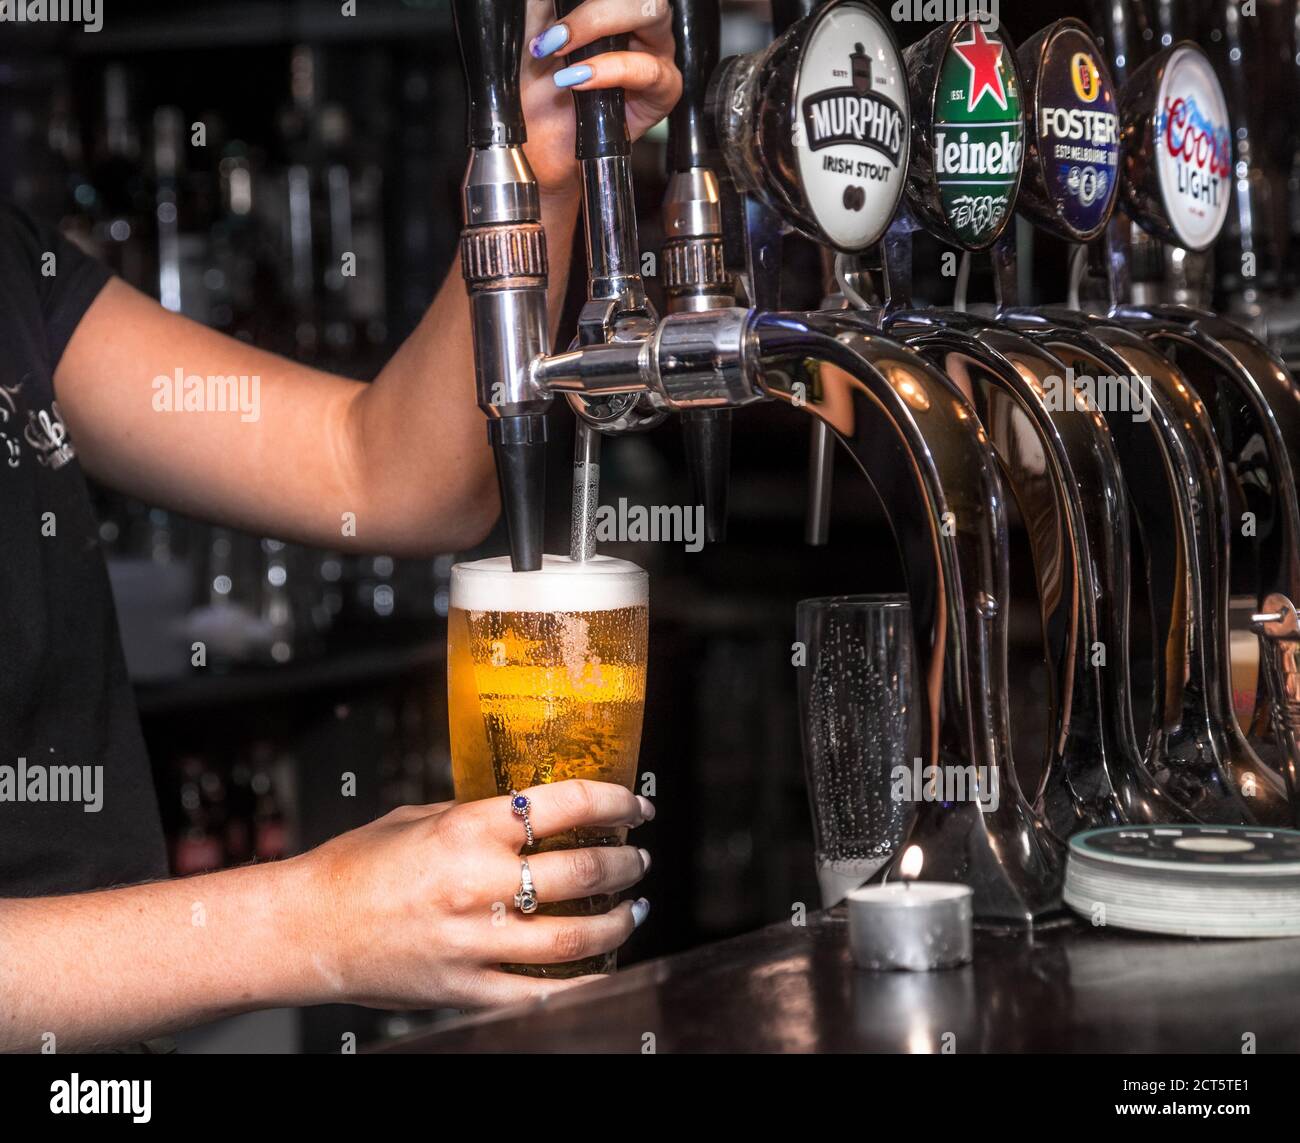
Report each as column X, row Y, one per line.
column 550, row 41
column 640, row 911
column 572, row 76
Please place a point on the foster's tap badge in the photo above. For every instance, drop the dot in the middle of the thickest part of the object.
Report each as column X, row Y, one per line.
column 1074, row 138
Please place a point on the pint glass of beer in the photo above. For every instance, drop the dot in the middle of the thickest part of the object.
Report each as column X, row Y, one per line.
column 546, row 681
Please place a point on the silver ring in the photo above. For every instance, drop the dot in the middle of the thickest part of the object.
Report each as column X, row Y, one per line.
column 520, row 804
column 526, row 898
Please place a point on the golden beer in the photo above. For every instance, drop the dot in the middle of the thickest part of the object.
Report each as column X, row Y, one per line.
column 546, row 681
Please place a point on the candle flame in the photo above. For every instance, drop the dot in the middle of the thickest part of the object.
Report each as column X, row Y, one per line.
column 913, row 859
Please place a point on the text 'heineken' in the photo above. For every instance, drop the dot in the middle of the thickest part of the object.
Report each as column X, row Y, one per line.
column 978, row 135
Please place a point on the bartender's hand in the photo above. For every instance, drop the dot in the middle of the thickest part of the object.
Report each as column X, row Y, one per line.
column 415, row 910
column 646, row 71
column 419, row 905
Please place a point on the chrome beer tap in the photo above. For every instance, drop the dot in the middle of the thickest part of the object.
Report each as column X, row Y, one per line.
column 968, row 133
column 900, row 420
column 617, row 308
column 503, row 261
column 1174, row 475
column 1176, row 186
column 1174, row 478
column 779, row 143
column 695, row 272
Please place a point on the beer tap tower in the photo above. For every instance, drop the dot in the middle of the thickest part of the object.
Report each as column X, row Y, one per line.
column 1175, row 478
column 1182, row 163
column 903, row 425
column 1062, row 466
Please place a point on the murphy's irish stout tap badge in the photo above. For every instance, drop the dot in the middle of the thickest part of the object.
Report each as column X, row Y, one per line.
column 1078, row 129
column 852, row 128
column 1193, row 148
column 978, row 134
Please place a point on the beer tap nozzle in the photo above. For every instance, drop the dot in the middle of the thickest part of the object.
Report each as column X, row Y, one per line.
column 503, row 260
column 519, row 443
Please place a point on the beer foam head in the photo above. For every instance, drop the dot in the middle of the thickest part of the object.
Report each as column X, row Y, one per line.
column 599, row 584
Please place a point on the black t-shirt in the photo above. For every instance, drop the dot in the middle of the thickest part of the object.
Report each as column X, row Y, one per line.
column 77, row 804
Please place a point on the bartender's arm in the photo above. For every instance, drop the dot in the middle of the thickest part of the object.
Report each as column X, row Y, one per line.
column 410, row 911
column 407, row 911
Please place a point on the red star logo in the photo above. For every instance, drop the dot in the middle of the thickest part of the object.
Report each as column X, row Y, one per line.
column 982, row 56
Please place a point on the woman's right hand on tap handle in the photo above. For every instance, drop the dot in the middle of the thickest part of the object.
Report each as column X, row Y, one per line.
column 645, row 71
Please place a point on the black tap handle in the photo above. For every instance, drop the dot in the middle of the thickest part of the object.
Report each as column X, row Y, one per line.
column 602, row 115
column 491, row 34
column 697, row 28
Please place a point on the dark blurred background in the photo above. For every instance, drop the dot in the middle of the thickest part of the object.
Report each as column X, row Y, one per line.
column 327, row 134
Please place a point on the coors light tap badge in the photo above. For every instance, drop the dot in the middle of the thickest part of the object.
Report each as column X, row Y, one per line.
column 1193, row 147
column 978, row 134
column 852, row 127
column 1078, row 130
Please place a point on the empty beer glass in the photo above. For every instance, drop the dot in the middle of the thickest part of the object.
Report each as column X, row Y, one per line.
column 858, row 726
column 546, row 681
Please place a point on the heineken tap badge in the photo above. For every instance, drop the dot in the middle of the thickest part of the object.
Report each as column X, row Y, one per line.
column 966, row 167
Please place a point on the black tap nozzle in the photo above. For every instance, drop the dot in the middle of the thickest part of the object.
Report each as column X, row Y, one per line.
column 491, row 34
column 519, row 444
column 708, row 459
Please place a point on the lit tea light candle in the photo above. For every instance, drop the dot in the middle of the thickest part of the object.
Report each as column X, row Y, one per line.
column 910, row 924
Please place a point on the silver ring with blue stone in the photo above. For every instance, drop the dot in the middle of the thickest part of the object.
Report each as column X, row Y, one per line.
column 520, row 804
column 526, row 898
